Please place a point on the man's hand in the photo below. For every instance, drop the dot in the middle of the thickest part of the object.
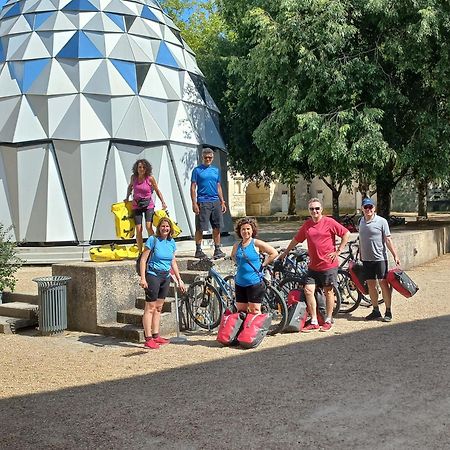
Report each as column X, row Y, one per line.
column 195, row 208
column 223, row 206
column 143, row 283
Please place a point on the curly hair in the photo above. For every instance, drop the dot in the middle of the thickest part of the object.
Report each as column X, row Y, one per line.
column 147, row 166
column 158, row 228
column 244, row 221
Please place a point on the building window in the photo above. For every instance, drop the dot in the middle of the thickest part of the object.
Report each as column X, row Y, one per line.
column 238, row 187
column 308, row 188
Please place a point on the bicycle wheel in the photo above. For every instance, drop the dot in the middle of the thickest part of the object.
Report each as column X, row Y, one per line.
column 204, row 304
column 350, row 296
column 274, row 304
column 231, row 302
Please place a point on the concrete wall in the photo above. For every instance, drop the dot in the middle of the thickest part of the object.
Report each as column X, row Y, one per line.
column 97, row 291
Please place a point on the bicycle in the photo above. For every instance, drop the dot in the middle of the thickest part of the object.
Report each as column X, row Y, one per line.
column 206, row 303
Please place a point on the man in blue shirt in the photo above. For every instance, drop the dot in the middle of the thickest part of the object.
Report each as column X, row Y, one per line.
column 208, row 203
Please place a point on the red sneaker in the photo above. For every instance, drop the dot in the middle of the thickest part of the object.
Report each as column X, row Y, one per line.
column 160, row 340
column 310, row 327
column 150, row 343
column 326, row 326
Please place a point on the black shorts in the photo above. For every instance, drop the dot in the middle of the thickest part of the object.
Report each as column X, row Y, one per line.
column 139, row 213
column 158, row 287
column 250, row 294
column 322, row 279
column 210, row 213
column 375, row 270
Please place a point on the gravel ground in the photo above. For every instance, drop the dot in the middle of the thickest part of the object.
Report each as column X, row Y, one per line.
column 362, row 385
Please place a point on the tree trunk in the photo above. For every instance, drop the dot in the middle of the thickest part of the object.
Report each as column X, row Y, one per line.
column 292, row 200
column 335, row 200
column 422, row 193
column 385, row 184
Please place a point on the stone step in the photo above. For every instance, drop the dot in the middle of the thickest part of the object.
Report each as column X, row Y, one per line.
column 169, row 304
column 134, row 331
column 19, row 310
column 9, row 325
column 10, row 297
column 133, row 316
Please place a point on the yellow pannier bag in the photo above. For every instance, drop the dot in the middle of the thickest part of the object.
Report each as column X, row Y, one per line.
column 132, row 252
column 123, row 219
column 160, row 214
column 106, row 252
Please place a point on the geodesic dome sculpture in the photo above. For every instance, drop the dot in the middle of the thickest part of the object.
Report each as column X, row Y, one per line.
column 86, row 88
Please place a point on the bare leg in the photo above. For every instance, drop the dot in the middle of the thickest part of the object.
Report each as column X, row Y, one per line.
column 156, row 319
column 330, row 301
column 198, row 237
column 149, row 227
column 216, row 236
column 139, row 237
column 254, row 308
column 311, row 300
column 242, row 307
column 373, row 292
column 386, row 290
column 147, row 318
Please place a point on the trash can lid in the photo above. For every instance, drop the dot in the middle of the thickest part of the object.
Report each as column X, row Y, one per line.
column 52, row 280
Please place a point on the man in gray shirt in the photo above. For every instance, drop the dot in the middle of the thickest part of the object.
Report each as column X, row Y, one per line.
column 374, row 240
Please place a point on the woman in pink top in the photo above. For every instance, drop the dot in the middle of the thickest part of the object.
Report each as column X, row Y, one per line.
column 143, row 184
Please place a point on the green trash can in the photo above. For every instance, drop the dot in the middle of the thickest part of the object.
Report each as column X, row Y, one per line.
column 52, row 296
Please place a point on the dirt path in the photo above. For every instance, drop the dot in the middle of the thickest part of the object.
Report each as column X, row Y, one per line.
column 363, row 385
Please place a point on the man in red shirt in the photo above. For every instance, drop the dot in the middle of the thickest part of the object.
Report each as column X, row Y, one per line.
column 320, row 233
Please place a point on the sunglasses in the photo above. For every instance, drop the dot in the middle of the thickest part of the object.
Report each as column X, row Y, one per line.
column 316, row 208
column 368, row 207
column 207, row 157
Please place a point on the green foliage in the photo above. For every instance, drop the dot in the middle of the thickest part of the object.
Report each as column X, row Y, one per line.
column 9, row 262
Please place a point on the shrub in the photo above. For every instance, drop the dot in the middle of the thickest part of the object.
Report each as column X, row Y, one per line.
column 9, row 262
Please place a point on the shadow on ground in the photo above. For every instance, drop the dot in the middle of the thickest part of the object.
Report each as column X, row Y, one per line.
column 380, row 388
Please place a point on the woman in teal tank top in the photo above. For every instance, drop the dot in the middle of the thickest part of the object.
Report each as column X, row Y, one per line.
column 250, row 287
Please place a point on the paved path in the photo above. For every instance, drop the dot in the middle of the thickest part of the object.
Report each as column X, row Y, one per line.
column 362, row 385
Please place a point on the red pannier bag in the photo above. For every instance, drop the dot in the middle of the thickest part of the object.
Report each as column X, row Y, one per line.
column 230, row 326
column 356, row 271
column 401, row 282
column 297, row 311
column 254, row 330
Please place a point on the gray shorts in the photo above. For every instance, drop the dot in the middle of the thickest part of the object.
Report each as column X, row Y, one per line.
column 139, row 213
column 322, row 279
column 210, row 213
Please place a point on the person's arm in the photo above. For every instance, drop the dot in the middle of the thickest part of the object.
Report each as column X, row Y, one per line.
column 158, row 192
column 195, row 207
column 291, row 245
column 391, row 247
column 222, row 200
column 268, row 250
column 233, row 252
column 129, row 189
column 176, row 272
column 143, row 268
column 342, row 244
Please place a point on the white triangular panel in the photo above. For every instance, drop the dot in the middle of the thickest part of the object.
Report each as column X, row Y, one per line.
column 132, row 124
column 8, row 119
column 97, row 82
column 190, row 92
column 117, row 6
column 182, row 129
column 61, row 38
column 20, row 26
column 158, row 109
column 6, row 217
column 39, row 106
column 91, row 127
column 85, row 17
column 7, row 24
column 119, row 108
column 33, row 129
column 8, row 85
column 171, row 81
column 52, row 81
column 30, row 5
column 139, row 54
column 122, row 50
column 64, row 117
column 145, row 45
column 100, row 104
column 191, row 65
column 152, row 130
column 14, row 44
column 153, row 86
column 87, row 70
column 43, row 5
column 155, row 28
column 57, row 22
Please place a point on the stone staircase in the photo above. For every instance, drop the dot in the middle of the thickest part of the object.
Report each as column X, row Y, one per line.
column 128, row 325
column 18, row 311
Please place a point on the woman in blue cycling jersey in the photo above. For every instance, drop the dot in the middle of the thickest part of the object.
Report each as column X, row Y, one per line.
column 250, row 287
column 157, row 263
